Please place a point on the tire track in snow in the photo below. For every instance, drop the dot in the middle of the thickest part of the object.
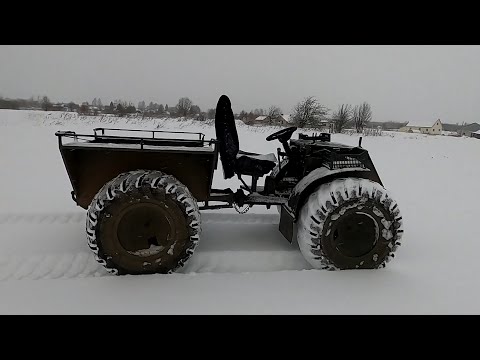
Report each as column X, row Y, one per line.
column 245, row 261
column 71, row 265
column 66, row 265
column 79, row 217
column 83, row 264
column 47, row 218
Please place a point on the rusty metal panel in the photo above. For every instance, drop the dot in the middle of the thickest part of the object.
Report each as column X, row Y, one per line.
column 90, row 167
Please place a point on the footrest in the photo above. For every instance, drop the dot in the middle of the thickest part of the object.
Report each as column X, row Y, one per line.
column 258, row 199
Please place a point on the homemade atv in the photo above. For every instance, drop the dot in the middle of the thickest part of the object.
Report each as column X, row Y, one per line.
column 144, row 191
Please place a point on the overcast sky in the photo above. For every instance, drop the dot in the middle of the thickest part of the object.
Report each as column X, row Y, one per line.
column 402, row 83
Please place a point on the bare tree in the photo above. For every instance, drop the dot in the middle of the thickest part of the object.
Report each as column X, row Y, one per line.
column 460, row 130
column 71, row 106
column 211, row 113
column 194, row 110
column 250, row 118
column 45, row 103
column 259, row 112
column 308, row 112
column 184, row 105
column 243, row 115
column 121, row 102
column 120, row 109
column 83, row 109
column 111, row 108
column 342, row 117
column 362, row 115
column 273, row 113
column 130, row 109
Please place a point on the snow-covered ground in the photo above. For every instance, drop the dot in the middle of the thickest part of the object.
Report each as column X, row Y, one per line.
column 243, row 264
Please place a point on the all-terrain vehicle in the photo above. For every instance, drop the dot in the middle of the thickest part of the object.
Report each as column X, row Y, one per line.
column 144, row 191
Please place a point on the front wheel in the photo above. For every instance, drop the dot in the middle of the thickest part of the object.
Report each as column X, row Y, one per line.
column 349, row 224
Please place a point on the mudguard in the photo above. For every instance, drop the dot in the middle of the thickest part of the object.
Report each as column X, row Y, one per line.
column 317, row 177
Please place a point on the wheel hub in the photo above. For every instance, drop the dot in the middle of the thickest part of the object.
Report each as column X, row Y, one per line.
column 355, row 234
column 145, row 229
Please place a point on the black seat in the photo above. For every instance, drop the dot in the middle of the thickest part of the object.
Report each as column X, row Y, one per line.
column 255, row 164
column 235, row 161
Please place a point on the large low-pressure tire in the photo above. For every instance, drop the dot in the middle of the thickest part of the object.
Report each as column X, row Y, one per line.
column 143, row 222
column 349, row 224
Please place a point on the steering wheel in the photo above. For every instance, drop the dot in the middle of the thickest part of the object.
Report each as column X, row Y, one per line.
column 282, row 135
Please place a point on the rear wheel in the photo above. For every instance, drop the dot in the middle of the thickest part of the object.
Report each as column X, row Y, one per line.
column 349, row 224
column 143, row 222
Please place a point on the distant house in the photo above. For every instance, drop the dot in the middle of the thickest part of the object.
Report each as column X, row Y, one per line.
column 324, row 124
column 267, row 120
column 261, row 119
column 476, row 134
column 327, row 125
column 467, row 130
column 283, row 120
column 423, row 128
column 286, row 119
column 59, row 107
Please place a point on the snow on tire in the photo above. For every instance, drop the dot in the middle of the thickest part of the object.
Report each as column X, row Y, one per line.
column 143, row 222
column 349, row 224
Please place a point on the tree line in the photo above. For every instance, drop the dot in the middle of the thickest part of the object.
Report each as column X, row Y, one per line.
column 308, row 112
column 184, row 108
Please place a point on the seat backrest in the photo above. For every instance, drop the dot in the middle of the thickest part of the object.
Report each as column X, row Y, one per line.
column 227, row 136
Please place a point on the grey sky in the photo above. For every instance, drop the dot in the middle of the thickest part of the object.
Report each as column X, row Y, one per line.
column 402, row 83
